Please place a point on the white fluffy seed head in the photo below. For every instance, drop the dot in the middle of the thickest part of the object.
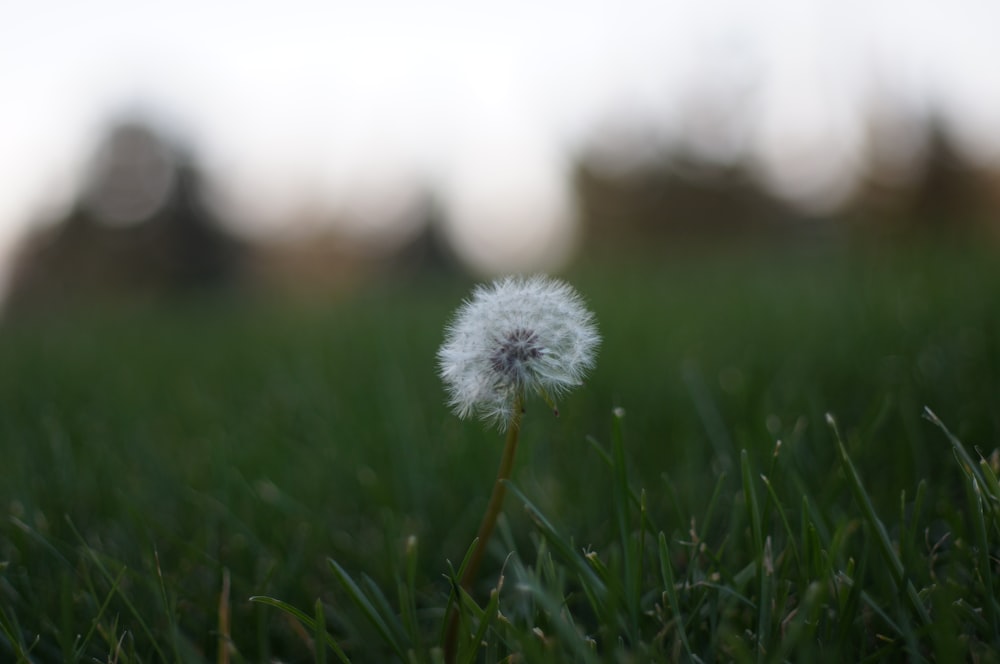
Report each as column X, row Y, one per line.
column 513, row 336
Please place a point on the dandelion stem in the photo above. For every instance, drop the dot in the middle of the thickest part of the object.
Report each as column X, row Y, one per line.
column 495, row 505
column 489, row 522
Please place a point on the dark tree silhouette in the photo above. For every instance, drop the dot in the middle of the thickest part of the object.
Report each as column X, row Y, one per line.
column 139, row 231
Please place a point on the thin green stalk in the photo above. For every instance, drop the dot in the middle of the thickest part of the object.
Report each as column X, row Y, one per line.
column 670, row 586
column 493, row 509
column 881, row 535
column 763, row 560
column 319, row 644
column 306, row 620
column 125, row 599
column 970, row 467
column 12, row 631
column 979, row 528
column 374, row 607
column 495, row 505
column 167, row 608
column 784, row 519
column 406, row 587
column 620, row 499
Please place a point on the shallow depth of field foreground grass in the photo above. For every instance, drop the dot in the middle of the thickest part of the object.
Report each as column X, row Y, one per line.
column 160, row 468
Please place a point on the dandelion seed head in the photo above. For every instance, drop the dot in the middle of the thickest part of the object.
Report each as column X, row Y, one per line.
column 514, row 336
column 514, row 352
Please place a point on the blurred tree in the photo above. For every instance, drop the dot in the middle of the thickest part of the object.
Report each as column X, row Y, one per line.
column 657, row 203
column 657, row 200
column 946, row 195
column 429, row 251
column 139, row 231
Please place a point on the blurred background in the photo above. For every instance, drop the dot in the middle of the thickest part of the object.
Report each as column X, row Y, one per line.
column 149, row 150
column 231, row 234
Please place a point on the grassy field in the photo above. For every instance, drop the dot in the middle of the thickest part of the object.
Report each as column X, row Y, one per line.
column 158, row 468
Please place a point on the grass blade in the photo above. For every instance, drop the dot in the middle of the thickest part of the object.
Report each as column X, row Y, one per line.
column 762, row 558
column 707, row 520
column 667, row 572
column 225, row 640
column 320, row 631
column 620, row 497
column 969, row 466
column 563, row 623
column 881, row 535
column 803, row 626
column 407, row 592
column 455, row 595
column 985, row 564
column 13, row 633
column 306, row 620
column 364, row 604
column 115, row 585
column 991, row 490
column 753, row 511
column 490, row 615
column 168, row 610
column 784, row 518
column 100, row 614
column 563, row 548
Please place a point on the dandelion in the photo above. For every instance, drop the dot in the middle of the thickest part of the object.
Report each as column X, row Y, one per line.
column 513, row 337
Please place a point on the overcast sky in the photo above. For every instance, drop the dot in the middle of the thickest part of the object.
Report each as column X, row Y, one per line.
column 325, row 103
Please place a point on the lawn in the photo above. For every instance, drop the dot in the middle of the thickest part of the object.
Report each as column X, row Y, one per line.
column 161, row 466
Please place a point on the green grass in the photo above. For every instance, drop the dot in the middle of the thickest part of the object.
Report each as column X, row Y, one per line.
column 160, row 467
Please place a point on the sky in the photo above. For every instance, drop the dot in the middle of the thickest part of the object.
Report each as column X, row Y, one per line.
column 363, row 106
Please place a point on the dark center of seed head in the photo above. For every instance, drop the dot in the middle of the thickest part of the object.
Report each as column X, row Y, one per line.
column 513, row 350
